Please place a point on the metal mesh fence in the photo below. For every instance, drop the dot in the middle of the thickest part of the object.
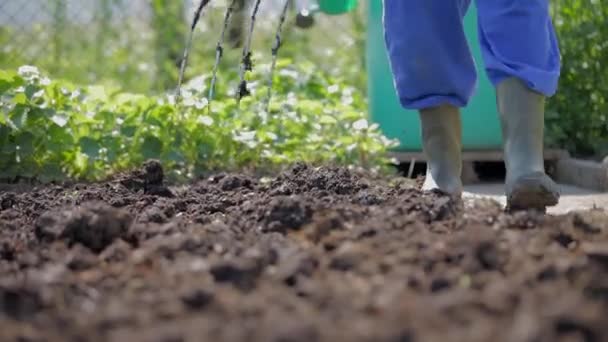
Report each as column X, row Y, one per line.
column 136, row 44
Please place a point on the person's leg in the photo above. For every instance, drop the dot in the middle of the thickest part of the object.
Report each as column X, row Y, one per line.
column 518, row 41
column 428, row 52
column 434, row 72
column 522, row 60
column 442, row 145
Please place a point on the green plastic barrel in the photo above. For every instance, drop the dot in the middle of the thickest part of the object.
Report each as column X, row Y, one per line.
column 481, row 126
column 335, row 7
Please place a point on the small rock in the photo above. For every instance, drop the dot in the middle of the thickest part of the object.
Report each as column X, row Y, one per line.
column 149, row 178
column 197, row 299
column 440, row 284
column 242, row 274
column 488, row 255
column 7, row 251
column 230, row 183
column 19, row 303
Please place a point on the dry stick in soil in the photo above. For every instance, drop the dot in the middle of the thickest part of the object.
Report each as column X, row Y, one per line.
column 219, row 51
column 197, row 17
column 275, row 52
column 247, row 64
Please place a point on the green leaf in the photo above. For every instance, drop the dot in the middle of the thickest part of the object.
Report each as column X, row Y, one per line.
column 128, row 131
column 51, row 172
column 18, row 117
column 9, row 80
column 151, row 147
column 112, row 145
column 89, row 147
column 175, row 156
column 59, row 140
column 25, row 141
column 4, row 137
column 20, row 99
column 30, row 90
column 38, row 117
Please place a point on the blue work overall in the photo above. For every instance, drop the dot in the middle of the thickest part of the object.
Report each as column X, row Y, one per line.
column 431, row 60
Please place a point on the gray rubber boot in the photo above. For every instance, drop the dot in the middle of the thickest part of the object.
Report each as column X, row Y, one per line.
column 522, row 118
column 442, row 144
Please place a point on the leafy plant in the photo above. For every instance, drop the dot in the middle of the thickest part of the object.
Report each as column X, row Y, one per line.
column 577, row 117
column 52, row 129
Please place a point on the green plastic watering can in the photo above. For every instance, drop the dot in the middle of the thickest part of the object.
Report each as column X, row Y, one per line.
column 304, row 18
column 334, row 7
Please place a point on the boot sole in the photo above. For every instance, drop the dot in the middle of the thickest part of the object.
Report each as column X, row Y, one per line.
column 534, row 192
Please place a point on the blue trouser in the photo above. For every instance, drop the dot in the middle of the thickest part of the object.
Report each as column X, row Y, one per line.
column 430, row 57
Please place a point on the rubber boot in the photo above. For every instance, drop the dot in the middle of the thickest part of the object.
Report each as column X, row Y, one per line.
column 522, row 118
column 442, row 144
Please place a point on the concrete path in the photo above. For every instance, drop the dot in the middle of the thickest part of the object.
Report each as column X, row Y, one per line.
column 572, row 199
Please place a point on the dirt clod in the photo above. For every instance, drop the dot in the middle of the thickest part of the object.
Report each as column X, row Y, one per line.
column 241, row 274
column 7, row 200
column 234, row 182
column 286, row 213
column 149, row 178
column 94, row 225
column 19, row 303
column 197, row 299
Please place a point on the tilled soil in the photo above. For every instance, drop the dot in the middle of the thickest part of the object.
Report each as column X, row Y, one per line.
column 311, row 255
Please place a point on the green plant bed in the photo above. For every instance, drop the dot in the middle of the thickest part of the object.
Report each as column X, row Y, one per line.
column 53, row 129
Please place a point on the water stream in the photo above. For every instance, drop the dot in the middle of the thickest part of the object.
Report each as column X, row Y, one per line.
column 247, row 63
column 219, row 50
column 275, row 51
column 195, row 20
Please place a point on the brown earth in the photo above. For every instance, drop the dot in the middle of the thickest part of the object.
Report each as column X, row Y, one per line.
column 310, row 255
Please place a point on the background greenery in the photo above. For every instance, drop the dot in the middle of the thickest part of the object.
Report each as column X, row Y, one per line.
column 49, row 129
column 109, row 104
column 577, row 117
column 141, row 52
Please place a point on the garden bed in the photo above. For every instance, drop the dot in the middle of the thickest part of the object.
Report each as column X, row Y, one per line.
column 311, row 254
